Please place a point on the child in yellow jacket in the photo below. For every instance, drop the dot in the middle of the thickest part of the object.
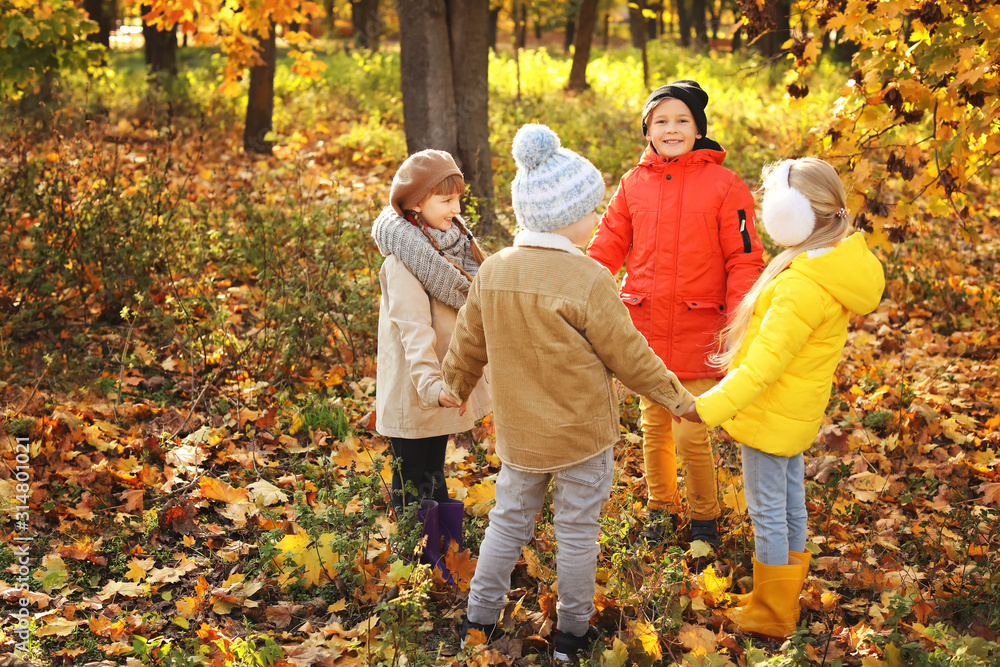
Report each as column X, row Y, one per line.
column 782, row 348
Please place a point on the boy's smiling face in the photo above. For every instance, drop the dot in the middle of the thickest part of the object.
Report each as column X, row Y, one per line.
column 671, row 129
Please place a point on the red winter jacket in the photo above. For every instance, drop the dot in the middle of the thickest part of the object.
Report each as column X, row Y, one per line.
column 684, row 228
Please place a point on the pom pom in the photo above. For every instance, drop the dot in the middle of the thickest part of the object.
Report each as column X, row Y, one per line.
column 788, row 216
column 533, row 145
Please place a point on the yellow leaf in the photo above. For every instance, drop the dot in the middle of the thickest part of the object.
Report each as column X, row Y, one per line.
column 713, row 583
column 58, row 626
column 649, row 640
column 480, row 498
column 617, row 655
column 187, row 607
column 115, row 588
column 317, row 558
column 264, row 493
column 697, row 639
column 138, row 568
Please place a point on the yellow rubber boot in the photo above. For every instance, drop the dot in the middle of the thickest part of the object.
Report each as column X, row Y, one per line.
column 773, row 610
column 804, row 556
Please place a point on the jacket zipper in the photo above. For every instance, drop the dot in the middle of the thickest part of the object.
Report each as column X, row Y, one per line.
column 743, row 231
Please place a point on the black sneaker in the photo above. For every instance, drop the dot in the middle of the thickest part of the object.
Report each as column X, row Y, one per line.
column 491, row 631
column 660, row 525
column 569, row 646
column 706, row 530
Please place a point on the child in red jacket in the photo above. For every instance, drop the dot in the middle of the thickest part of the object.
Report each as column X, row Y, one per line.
column 683, row 226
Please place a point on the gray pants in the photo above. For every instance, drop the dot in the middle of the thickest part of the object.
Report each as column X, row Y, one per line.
column 776, row 498
column 579, row 495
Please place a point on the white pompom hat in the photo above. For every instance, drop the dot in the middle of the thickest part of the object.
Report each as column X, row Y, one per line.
column 554, row 187
column 788, row 215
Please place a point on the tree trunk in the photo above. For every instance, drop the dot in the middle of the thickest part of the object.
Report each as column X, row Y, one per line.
column 637, row 26
column 606, row 29
column 683, row 22
column 653, row 25
column 775, row 28
column 426, row 76
column 521, row 25
column 491, row 37
column 102, row 13
column 570, row 30
column 699, row 24
column 160, row 47
column 636, row 23
column 260, row 99
column 581, row 56
column 469, row 35
column 367, row 24
column 538, row 27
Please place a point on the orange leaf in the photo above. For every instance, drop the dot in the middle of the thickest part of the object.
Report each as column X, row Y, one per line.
column 218, row 490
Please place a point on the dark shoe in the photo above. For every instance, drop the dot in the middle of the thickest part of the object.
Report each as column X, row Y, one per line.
column 451, row 514
column 568, row 647
column 491, row 631
column 706, row 530
column 660, row 525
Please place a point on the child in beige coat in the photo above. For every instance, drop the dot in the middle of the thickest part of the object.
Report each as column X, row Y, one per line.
column 430, row 260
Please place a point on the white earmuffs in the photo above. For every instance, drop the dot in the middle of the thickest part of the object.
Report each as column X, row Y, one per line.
column 788, row 216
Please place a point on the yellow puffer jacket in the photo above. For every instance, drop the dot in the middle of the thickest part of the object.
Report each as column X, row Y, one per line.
column 776, row 391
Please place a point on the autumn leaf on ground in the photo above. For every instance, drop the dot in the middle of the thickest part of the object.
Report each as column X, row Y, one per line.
column 317, row 558
column 649, row 640
column 697, row 639
column 57, row 626
column 266, row 494
column 480, row 498
column 218, row 490
column 129, row 589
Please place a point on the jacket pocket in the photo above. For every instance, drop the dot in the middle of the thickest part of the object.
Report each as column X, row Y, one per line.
column 638, row 309
column 713, row 305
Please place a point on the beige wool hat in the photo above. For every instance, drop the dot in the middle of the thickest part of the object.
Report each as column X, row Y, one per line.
column 418, row 175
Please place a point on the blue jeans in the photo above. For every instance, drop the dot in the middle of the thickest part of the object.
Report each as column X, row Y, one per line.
column 776, row 497
column 579, row 495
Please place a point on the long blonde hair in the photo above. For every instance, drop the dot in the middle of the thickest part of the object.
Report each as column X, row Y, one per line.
column 821, row 185
column 453, row 185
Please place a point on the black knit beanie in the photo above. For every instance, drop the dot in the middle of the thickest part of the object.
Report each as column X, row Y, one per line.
column 688, row 92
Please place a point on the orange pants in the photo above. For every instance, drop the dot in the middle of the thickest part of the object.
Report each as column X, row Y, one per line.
column 662, row 440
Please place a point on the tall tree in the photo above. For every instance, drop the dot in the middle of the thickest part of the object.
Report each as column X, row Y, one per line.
column 367, row 23
column 684, row 20
column 699, row 23
column 103, row 13
column 586, row 22
column 637, row 26
column 246, row 36
column 260, row 98
column 769, row 24
column 159, row 46
column 444, row 63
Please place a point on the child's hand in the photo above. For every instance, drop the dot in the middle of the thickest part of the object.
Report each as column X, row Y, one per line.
column 445, row 400
column 691, row 415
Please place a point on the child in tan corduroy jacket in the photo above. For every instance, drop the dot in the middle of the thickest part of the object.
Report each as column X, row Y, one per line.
column 549, row 322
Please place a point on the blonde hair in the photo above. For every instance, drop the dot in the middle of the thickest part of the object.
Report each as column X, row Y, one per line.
column 821, row 185
column 452, row 185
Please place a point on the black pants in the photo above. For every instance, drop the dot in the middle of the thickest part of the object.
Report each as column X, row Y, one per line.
column 420, row 463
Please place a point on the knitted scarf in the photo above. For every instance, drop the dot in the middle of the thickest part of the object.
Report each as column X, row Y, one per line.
column 394, row 235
